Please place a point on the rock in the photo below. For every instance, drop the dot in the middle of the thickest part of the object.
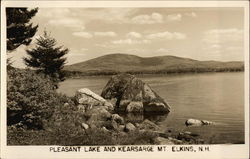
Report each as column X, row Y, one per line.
column 134, row 117
column 122, row 133
column 88, row 99
column 117, row 118
column 97, row 116
column 190, row 133
column 135, row 107
column 193, row 122
column 105, row 130
column 163, row 141
column 133, row 95
column 115, row 126
column 196, row 122
column 137, row 125
column 121, row 127
column 84, row 126
column 81, row 108
column 66, row 104
column 205, row 122
column 129, row 127
column 148, row 125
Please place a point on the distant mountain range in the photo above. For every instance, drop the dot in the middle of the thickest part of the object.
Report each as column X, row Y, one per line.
column 115, row 63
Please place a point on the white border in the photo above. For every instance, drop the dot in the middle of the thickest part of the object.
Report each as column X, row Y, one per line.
column 216, row 151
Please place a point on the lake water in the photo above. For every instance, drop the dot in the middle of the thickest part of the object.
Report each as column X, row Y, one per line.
column 217, row 97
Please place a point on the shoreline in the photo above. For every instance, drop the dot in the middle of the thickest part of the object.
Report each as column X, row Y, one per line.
column 151, row 74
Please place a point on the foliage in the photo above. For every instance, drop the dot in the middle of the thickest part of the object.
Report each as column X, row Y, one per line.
column 31, row 98
column 47, row 58
column 93, row 136
column 19, row 29
column 64, row 128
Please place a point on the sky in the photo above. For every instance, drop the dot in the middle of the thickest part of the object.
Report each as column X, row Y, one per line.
column 197, row 33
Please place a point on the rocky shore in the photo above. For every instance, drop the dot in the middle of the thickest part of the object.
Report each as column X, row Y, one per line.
column 125, row 93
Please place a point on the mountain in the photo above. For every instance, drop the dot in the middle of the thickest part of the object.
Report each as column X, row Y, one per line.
column 113, row 63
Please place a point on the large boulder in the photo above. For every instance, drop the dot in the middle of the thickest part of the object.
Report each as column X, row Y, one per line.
column 133, row 95
column 87, row 99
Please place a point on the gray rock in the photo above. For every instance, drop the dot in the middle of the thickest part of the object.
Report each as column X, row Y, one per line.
column 196, row 122
column 97, row 117
column 134, row 107
column 193, row 122
column 84, row 126
column 88, row 99
column 121, row 127
column 133, row 95
column 148, row 125
column 66, row 104
column 117, row 118
column 137, row 125
column 206, row 122
column 81, row 108
column 129, row 127
column 105, row 130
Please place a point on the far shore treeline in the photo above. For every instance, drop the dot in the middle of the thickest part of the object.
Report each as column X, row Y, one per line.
column 72, row 74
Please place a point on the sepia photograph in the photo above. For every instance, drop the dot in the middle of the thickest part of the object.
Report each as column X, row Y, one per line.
column 117, row 76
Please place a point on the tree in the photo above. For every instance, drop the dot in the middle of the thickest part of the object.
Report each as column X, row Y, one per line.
column 19, row 29
column 47, row 58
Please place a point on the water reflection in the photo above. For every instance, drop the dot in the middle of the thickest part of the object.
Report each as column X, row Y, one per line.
column 139, row 117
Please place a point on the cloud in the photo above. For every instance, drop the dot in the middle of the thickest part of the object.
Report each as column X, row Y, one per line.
column 82, row 34
column 94, row 34
column 55, row 12
column 134, row 35
column 109, row 15
column 131, row 41
column 192, row 14
column 61, row 17
column 216, row 36
column 174, row 17
column 223, row 42
column 105, row 34
column 67, row 22
column 148, row 19
column 167, row 35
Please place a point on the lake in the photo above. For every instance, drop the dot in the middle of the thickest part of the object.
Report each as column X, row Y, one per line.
column 217, row 97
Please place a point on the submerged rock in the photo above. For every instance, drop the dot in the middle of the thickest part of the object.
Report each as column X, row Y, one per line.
column 196, row 122
column 133, row 95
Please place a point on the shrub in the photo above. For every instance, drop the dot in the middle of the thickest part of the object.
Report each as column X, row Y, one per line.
column 31, row 98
